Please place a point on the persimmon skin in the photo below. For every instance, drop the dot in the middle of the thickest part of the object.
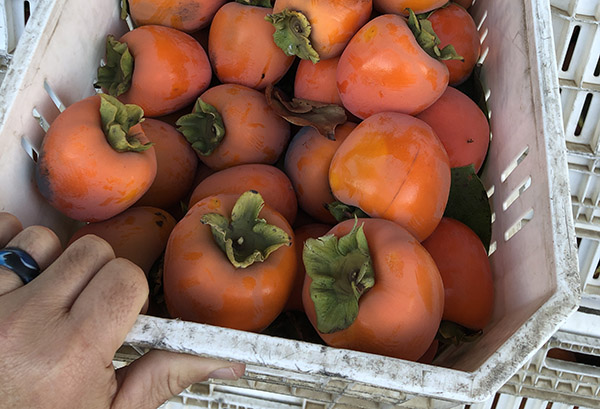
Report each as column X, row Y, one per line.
column 273, row 185
column 316, row 82
column 464, row 3
column 254, row 133
column 399, row 6
column 241, row 47
column 81, row 175
column 307, row 161
column 393, row 166
column 333, row 22
column 383, row 68
column 184, row 15
column 400, row 315
column 176, row 165
column 301, row 234
column 465, row 269
column 454, row 25
column 461, row 126
column 201, row 285
column 170, row 70
column 138, row 234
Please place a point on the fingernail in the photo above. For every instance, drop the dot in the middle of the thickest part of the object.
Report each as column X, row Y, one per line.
column 225, row 373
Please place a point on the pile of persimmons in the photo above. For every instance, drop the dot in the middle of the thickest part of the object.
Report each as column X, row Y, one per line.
column 256, row 158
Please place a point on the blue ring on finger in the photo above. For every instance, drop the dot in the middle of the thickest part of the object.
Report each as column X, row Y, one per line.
column 19, row 262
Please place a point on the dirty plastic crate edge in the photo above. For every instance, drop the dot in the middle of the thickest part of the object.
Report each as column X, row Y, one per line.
column 558, row 306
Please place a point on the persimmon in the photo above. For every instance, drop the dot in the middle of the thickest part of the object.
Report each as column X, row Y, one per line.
column 176, row 165
column 273, row 185
column 464, row 3
column 316, row 81
column 461, row 126
column 301, row 234
column 306, row 163
column 384, row 68
column 393, row 166
column 231, row 262
column 241, row 47
column 139, row 234
column 466, row 273
column 232, row 124
column 184, row 15
column 400, row 6
column 372, row 287
column 161, row 69
column 95, row 160
column 454, row 25
column 317, row 30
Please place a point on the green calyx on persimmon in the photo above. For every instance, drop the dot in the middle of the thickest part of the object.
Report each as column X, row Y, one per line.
column 428, row 40
column 258, row 3
column 292, row 32
column 115, row 76
column 244, row 237
column 341, row 271
column 204, row 128
column 117, row 120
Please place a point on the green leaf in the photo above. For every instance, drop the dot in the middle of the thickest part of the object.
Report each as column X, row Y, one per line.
column 203, row 128
column 115, row 76
column 244, row 237
column 342, row 211
column 292, row 32
column 425, row 35
column 341, row 271
column 117, row 120
column 468, row 203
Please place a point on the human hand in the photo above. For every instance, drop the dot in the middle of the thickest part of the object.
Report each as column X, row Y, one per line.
column 59, row 333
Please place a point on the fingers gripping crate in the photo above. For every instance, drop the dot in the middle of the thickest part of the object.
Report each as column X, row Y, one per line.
column 534, row 259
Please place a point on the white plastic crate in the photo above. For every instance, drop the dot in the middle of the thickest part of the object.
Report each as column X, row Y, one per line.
column 534, row 257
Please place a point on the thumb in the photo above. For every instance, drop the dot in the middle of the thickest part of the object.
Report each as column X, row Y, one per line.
column 157, row 376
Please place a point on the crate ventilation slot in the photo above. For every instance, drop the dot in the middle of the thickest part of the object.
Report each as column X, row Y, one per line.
column 513, row 164
column 518, row 225
column 571, row 48
column 583, row 115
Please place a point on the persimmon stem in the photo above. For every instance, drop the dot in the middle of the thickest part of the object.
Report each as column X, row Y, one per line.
column 292, row 32
column 341, row 271
column 203, row 128
column 115, row 76
column 118, row 119
column 244, row 237
column 259, row 3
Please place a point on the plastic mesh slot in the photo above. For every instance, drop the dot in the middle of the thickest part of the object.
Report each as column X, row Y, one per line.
column 40, row 118
column 514, row 163
column 29, row 149
column 514, row 195
column 571, row 48
column 583, row 114
column 61, row 107
column 518, row 225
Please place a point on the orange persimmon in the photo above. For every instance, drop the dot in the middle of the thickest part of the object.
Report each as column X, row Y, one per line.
column 176, row 165
column 461, row 126
column 400, row 6
column 241, row 47
column 317, row 30
column 161, row 69
column 231, row 261
column 372, row 287
column 316, row 81
column 95, row 160
column 307, row 161
column 232, row 124
column 393, row 166
column 184, row 15
column 273, row 185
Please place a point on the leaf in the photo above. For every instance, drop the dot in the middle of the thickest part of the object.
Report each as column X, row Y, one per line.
column 469, row 204
column 303, row 112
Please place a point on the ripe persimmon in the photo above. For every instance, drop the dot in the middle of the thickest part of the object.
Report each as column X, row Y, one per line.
column 316, row 81
column 184, row 15
column 393, row 166
column 454, row 25
column 241, row 47
column 384, row 68
column 317, row 30
column 176, row 165
column 400, row 6
column 139, row 234
column 230, row 262
column 466, row 272
column 273, row 185
column 95, row 160
column 232, row 124
column 161, row 69
column 306, row 163
column 461, row 126
column 372, row 287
